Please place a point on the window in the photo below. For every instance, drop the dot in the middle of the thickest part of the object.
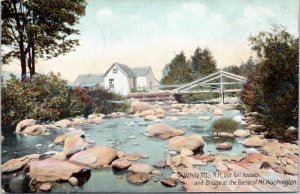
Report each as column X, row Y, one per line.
column 111, row 83
column 115, row 71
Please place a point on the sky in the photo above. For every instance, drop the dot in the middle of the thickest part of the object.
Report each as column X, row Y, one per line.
column 152, row 32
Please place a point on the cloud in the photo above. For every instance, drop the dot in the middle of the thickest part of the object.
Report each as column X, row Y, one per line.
column 186, row 11
column 256, row 12
column 194, row 8
column 105, row 15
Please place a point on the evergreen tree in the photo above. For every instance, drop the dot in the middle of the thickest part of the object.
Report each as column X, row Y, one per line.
column 209, row 64
column 203, row 63
column 197, row 60
column 179, row 71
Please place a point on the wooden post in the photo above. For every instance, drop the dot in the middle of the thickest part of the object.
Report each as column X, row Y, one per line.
column 222, row 92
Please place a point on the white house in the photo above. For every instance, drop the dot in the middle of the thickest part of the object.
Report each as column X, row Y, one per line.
column 121, row 79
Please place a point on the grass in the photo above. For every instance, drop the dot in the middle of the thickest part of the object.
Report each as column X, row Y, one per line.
column 227, row 125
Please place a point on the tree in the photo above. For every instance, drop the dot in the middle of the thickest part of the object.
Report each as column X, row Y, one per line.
column 178, row 71
column 276, row 81
column 248, row 67
column 203, row 63
column 38, row 29
column 209, row 65
column 197, row 61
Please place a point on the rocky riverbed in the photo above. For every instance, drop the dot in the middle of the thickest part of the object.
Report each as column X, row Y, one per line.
column 153, row 148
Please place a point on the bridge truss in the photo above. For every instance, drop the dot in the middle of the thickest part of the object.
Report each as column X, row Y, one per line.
column 220, row 82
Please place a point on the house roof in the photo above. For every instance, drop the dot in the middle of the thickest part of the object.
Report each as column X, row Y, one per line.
column 141, row 71
column 88, row 79
column 124, row 68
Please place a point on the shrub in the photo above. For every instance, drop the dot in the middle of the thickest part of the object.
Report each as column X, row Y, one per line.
column 201, row 96
column 48, row 97
column 42, row 97
column 103, row 101
column 227, row 125
column 80, row 102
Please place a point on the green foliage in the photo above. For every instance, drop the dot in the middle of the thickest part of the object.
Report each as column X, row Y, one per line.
column 178, row 71
column 203, row 63
column 80, row 102
column 42, row 97
column 274, row 90
column 39, row 29
column 181, row 70
column 244, row 69
column 201, row 97
column 227, row 125
column 48, row 97
column 103, row 101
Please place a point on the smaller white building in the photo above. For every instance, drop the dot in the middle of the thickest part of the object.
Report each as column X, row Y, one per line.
column 89, row 81
column 145, row 79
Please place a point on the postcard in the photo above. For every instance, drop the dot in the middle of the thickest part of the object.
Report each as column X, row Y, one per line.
column 149, row 96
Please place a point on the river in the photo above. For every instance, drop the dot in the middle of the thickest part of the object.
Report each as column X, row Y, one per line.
column 114, row 132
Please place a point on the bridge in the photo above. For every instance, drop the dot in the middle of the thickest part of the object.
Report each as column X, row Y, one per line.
column 219, row 82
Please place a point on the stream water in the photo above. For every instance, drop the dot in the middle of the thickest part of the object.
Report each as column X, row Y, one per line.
column 114, row 132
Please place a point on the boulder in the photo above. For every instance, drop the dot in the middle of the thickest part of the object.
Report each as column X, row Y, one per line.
column 291, row 169
column 256, row 128
column 205, row 118
column 190, row 162
column 73, row 133
column 140, row 106
column 95, row 157
column 35, row 130
column 193, row 142
column 255, row 158
column 63, row 123
column 140, row 168
column 133, row 157
column 79, row 121
column 120, row 164
column 221, row 167
column 169, row 182
column 73, row 181
column 16, row 164
column 159, row 111
column 55, row 170
column 163, row 131
column 92, row 116
column 160, row 164
column 254, row 142
column 241, row 133
column 73, row 145
column 146, row 113
column 97, row 120
column 25, row 123
column 59, row 156
column 225, row 135
column 156, row 172
column 47, row 186
column 186, row 152
column 120, row 154
column 224, row 146
column 150, row 118
column 218, row 112
column 138, row 178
